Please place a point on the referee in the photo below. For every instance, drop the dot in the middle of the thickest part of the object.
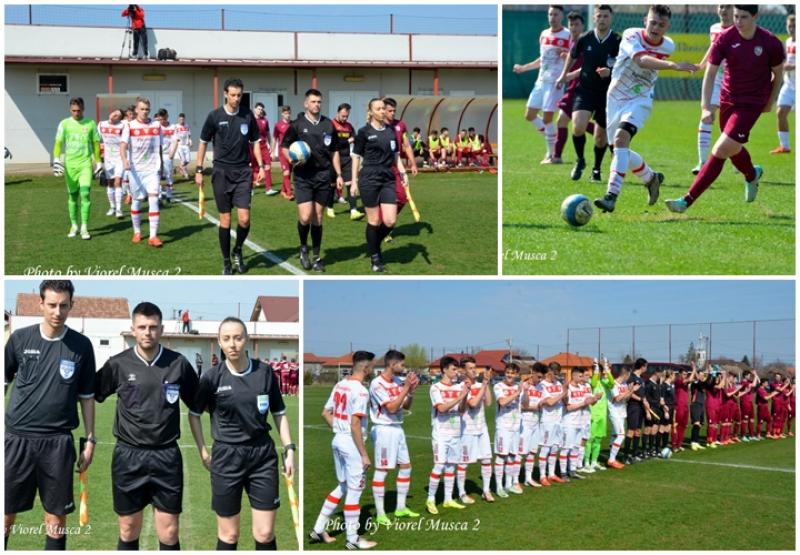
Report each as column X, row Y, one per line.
column 54, row 369
column 239, row 393
column 375, row 152
column 146, row 466
column 314, row 178
column 233, row 130
column 598, row 49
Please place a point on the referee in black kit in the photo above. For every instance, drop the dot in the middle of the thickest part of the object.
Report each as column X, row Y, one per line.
column 146, row 466
column 314, row 178
column 53, row 368
column 239, row 393
column 598, row 50
column 233, row 129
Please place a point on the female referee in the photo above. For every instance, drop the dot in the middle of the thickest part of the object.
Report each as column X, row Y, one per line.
column 375, row 151
column 239, row 392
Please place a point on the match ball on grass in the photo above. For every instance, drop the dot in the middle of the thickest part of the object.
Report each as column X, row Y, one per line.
column 666, row 453
column 299, row 152
column 576, row 210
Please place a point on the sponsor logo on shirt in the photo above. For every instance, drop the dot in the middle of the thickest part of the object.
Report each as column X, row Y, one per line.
column 172, row 390
column 262, row 402
column 66, row 368
column 31, row 352
column 737, row 45
column 131, row 377
column 222, row 388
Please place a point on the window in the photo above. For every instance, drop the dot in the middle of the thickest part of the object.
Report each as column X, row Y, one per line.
column 52, row 83
column 104, row 342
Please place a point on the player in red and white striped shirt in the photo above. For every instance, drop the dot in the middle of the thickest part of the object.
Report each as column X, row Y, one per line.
column 476, row 432
column 110, row 132
column 508, row 419
column 787, row 92
column 346, row 413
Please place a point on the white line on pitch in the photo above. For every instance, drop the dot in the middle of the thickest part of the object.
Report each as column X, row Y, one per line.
column 272, row 257
column 733, row 465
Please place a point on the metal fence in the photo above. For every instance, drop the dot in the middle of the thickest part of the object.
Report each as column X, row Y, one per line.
column 689, row 29
column 255, row 18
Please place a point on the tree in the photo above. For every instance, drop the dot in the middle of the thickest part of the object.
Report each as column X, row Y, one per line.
column 746, row 361
column 627, row 360
column 416, row 356
column 690, row 356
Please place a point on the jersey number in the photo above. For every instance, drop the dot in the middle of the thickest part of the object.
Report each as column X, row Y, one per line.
column 340, row 405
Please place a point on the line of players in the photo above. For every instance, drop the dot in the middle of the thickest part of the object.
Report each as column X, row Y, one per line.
column 612, row 80
column 538, row 416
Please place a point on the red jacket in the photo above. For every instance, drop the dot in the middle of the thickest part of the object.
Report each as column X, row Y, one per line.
column 137, row 17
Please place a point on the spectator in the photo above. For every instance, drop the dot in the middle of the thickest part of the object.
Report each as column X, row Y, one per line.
column 198, row 361
column 136, row 15
column 186, row 321
column 214, row 359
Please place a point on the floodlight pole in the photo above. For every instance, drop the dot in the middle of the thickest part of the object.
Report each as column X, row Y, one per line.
column 599, row 331
column 753, row 361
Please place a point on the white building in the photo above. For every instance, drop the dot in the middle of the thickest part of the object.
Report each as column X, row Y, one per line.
column 106, row 322
column 42, row 73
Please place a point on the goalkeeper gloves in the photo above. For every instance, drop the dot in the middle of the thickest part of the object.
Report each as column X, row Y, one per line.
column 98, row 170
column 58, row 168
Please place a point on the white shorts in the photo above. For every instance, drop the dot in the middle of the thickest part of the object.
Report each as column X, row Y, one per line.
column 449, row 450
column 786, row 96
column 113, row 168
column 571, row 436
column 586, row 431
column 549, row 434
column 184, row 154
column 166, row 169
column 545, row 97
column 478, row 447
column 126, row 176
column 528, row 438
column 506, row 442
column 715, row 93
column 634, row 112
column 390, row 446
column 143, row 184
column 617, row 424
column 347, row 461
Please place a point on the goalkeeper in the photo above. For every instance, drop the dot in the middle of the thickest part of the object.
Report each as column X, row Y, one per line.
column 602, row 382
column 78, row 138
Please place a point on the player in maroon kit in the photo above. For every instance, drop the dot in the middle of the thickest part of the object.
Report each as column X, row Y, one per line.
column 294, row 376
column 790, row 411
column 346, row 133
column 681, row 409
column 763, row 395
column 729, row 406
column 754, row 59
column 746, row 405
column 277, row 138
column 263, row 133
column 406, row 154
column 713, row 408
column 779, row 402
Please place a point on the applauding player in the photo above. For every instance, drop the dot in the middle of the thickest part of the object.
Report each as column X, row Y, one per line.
column 507, row 427
column 476, row 432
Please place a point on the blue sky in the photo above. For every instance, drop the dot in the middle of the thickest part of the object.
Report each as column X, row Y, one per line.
column 206, row 299
column 452, row 315
column 439, row 19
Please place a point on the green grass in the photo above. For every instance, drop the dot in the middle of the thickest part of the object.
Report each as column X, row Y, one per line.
column 457, row 235
column 198, row 524
column 653, row 505
column 720, row 235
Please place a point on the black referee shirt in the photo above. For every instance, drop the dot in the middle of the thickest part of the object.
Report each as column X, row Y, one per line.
column 148, row 412
column 239, row 403
column 51, row 374
column 232, row 135
column 668, row 393
column 323, row 141
column 652, row 392
column 634, row 379
column 378, row 149
column 595, row 54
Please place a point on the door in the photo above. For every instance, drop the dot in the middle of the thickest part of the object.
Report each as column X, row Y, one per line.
column 270, row 102
column 359, row 100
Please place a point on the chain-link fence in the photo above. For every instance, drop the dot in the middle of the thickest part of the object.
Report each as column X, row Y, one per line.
column 688, row 29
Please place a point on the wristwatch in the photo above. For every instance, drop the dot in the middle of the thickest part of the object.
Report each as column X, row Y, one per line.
column 261, row 166
column 288, row 447
column 92, row 440
column 199, row 169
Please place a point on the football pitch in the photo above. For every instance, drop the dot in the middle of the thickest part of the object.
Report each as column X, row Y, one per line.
column 456, row 235
column 719, row 235
column 735, row 497
column 198, row 524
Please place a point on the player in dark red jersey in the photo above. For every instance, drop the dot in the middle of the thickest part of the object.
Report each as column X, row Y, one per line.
column 277, row 138
column 406, row 154
column 682, row 382
column 754, row 59
column 763, row 396
column 344, row 129
column 749, row 384
column 263, row 132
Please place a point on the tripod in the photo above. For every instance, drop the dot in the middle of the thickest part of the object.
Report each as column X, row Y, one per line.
column 128, row 37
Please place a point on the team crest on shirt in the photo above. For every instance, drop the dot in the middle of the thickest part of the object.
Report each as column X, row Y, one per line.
column 66, row 368
column 172, row 390
column 327, row 139
column 244, row 128
column 758, row 50
column 262, row 402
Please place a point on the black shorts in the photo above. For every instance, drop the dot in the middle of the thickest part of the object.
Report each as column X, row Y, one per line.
column 635, row 416
column 658, row 418
column 697, row 413
column 142, row 476
column 311, row 191
column 374, row 194
column 46, row 463
column 671, row 418
column 347, row 168
column 591, row 102
column 253, row 468
column 232, row 188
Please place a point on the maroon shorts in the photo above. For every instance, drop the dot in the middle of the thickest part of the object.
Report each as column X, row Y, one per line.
column 736, row 122
column 402, row 199
column 712, row 413
column 763, row 412
column 286, row 166
column 566, row 102
column 747, row 410
column 682, row 417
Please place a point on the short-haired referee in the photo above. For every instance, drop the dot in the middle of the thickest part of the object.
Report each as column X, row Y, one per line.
column 240, row 393
column 53, row 368
column 233, row 129
column 147, row 466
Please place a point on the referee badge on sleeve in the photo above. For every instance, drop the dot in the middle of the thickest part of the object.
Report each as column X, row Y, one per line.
column 244, row 129
column 172, row 391
column 262, row 401
column 394, row 144
column 327, row 139
column 66, row 368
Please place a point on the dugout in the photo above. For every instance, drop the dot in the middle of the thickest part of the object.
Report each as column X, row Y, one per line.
column 276, row 67
column 455, row 113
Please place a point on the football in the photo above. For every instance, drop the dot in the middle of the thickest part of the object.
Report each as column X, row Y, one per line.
column 299, row 152
column 576, row 210
column 666, row 453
